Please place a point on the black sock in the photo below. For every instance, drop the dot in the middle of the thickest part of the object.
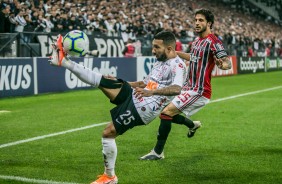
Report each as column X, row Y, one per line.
column 178, row 119
column 164, row 129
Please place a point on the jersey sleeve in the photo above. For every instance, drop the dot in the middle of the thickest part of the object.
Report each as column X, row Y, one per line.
column 218, row 49
column 178, row 72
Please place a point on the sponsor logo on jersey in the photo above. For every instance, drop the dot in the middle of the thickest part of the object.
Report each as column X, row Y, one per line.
column 178, row 102
column 143, row 108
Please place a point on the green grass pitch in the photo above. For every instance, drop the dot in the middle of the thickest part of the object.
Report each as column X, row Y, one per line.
column 240, row 141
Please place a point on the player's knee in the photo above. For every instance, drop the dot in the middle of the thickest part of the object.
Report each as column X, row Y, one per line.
column 165, row 116
column 109, row 131
column 110, row 83
column 167, row 111
column 170, row 110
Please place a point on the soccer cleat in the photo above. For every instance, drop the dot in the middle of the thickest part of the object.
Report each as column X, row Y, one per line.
column 105, row 179
column 192, row 131
column 58, row 54
column 152, row 156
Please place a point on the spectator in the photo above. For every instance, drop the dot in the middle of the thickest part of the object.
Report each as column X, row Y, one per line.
column 250, row 51
column 41, row 25
column 5, row 26
column 124, row 33
column 109, row 22
column 21, row 22
column 268, row 50
column 29, row 27
column 277, row 46
column 178, row 46
column 129, row 49
column 5, row 23
column 140, row 20
column 118, row 26
column 48, row 23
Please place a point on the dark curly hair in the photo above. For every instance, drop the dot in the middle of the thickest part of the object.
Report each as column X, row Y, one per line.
column 167, row 37
column 208, row 15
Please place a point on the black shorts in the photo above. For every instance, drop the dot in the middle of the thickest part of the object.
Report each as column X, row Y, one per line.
column 125, row 115
column 124, row 93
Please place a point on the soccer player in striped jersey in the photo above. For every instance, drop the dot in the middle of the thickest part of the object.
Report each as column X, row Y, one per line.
column 206, row 52
column 134, row 107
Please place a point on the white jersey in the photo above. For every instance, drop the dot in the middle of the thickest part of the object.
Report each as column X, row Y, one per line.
column 163, row 74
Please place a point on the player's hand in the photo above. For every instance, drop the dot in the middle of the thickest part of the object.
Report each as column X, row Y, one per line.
column 141, row 92
column 223, row 63
column 218, row 61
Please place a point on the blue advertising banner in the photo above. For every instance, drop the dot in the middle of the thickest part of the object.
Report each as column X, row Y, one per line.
column 16, row 77
column 52, row 79
column 124, row 68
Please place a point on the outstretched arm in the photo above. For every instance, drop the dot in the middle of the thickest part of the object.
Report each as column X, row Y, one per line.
column 184, row 55
column 167, row 91
column 223, row 63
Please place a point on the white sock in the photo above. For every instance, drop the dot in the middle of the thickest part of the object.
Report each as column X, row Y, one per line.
column 110, row 155
column 84, row 74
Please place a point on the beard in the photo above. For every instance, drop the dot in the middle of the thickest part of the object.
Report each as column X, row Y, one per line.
column 162, row 57
column 204, row 28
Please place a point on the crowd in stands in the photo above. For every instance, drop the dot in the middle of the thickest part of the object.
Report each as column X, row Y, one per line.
column 276, row 4
column 244, row 29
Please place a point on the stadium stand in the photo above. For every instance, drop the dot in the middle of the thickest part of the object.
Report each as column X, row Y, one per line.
column 272, row 8
column 242, row 25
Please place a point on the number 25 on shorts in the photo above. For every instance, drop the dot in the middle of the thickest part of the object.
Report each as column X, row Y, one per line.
column 184, row 97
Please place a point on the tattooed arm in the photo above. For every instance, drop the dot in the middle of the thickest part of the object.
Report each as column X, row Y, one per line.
column 167, row 91
column 223, row 63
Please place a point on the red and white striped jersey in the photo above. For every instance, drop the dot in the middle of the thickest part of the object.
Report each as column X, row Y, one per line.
column 202, row 64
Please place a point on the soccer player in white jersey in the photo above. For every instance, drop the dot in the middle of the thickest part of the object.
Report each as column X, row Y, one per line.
column 134, row 107
column 206, row 52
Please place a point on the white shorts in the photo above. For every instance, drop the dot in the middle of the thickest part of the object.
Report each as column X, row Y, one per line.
column 189, row 102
